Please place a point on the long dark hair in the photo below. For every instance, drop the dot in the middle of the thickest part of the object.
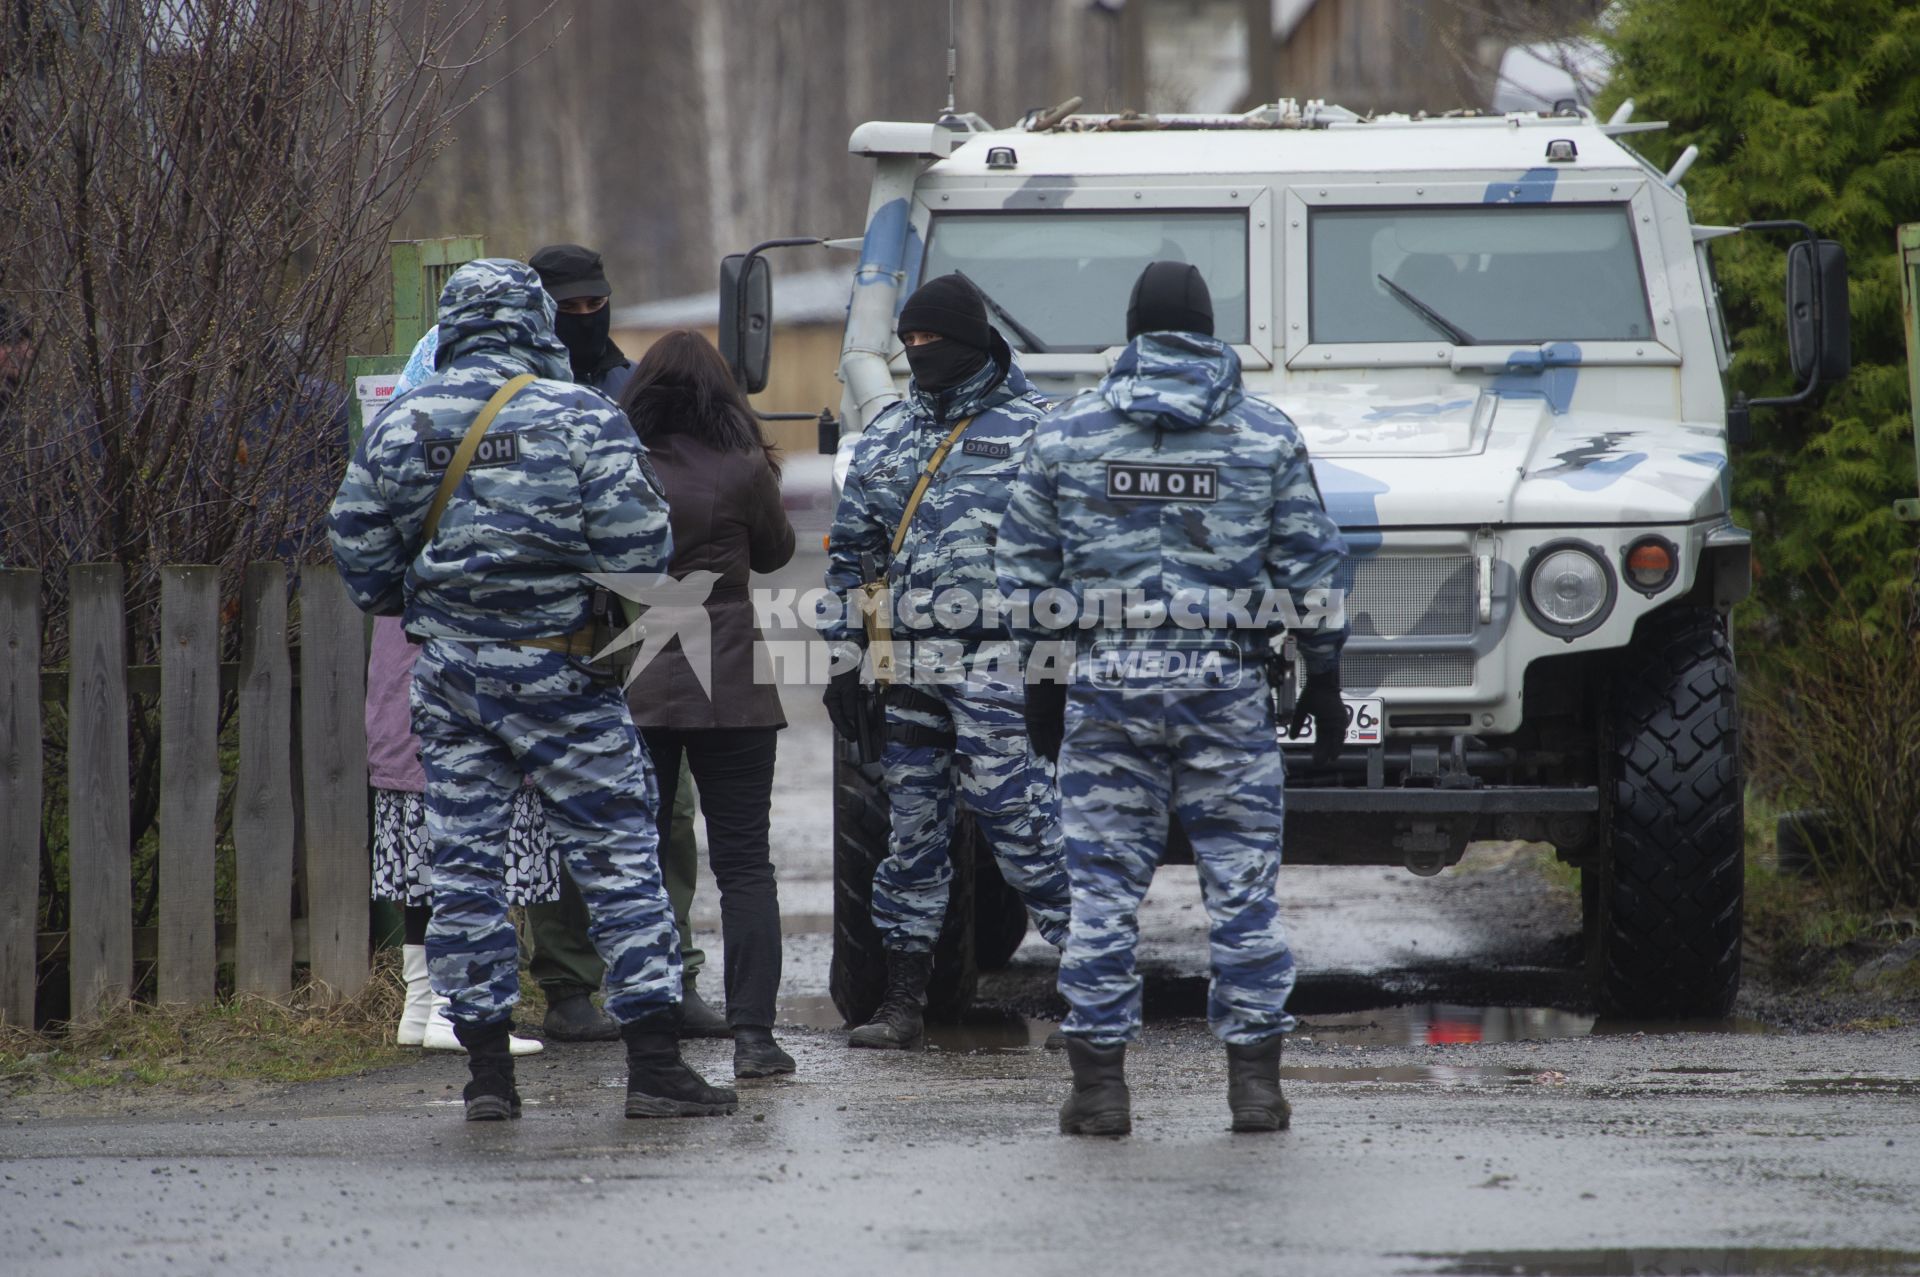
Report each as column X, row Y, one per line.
column 683, row 386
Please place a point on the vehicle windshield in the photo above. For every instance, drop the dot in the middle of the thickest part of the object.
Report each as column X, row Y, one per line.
column 1065, row 277
column 1490, row 275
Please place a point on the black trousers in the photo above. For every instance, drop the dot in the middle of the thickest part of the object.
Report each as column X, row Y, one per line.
column 733, row 769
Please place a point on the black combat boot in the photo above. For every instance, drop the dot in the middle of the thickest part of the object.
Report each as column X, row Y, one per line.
column 659, row 1082
column 490, row 1096
column 756, row 1054
column 574, row 1018
column 899, row 1024
column 1100, row 1103
column 697, row 1019
column 1253, row 1087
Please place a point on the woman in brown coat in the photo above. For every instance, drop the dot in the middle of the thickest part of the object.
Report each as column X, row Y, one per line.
column 722, row 481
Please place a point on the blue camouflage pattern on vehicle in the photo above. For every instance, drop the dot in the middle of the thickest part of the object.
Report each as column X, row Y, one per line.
column 990, row 769
column 572, row 493
column 487, row 714
column 950, row 543
column 1246, row 517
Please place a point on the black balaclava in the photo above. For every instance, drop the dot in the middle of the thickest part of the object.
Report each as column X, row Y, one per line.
column 1170, row 297
column 588, row 339
column 951, row 307
column 569, row 271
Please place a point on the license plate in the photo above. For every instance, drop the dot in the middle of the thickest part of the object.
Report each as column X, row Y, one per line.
column 1365, row 721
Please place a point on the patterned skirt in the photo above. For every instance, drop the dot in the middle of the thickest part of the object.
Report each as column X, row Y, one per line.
column 401, row 866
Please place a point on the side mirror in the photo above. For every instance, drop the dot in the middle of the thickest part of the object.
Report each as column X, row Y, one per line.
column 1819, row 323
column 746, row 319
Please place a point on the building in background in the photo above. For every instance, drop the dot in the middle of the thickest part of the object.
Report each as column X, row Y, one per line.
column 810, row 313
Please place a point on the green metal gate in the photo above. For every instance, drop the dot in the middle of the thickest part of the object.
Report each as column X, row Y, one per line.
column 420, row 271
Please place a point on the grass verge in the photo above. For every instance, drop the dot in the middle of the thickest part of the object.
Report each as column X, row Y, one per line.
column 244, row 1037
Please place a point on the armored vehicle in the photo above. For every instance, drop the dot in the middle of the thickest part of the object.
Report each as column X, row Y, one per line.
column 1501, row 339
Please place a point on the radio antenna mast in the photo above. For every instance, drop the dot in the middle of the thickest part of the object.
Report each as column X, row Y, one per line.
column 951, row 59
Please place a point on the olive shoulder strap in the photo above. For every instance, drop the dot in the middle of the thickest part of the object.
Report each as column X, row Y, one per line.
column 463, row 456
column 934, row 463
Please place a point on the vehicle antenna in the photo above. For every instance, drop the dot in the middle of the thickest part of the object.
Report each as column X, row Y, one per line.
column 952, row 61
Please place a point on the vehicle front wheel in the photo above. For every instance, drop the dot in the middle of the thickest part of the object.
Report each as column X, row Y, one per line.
column 1666, row 906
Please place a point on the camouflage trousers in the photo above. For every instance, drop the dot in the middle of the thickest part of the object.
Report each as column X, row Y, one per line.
column 963, row 743
column 1211, row 757
column 486, row 715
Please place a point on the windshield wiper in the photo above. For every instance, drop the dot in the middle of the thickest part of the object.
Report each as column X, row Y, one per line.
column 1455, row 333
column 1034, row 344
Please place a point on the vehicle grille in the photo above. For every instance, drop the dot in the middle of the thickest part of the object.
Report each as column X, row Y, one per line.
column 1410, row 669
column 1412, row 595
column 1362, row 672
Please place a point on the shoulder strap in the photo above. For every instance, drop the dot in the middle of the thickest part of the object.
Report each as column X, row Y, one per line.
column 934, row 463
column 457, row 468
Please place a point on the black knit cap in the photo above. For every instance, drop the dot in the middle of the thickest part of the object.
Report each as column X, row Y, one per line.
column 1170, row 297
column 569, row 271
column 951, row 307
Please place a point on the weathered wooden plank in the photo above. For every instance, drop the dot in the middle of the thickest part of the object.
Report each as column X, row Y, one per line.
column 189, row 779
column 146, row 943
column 142, row 680
column 333, row 748
column 99, row 793
column 263, row 791
column 20, row 780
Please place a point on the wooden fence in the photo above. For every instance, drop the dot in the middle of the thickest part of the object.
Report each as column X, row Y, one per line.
column 265, row 939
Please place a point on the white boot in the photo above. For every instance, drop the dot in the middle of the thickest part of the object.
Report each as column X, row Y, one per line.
column 439, row 1035
column 413, row 1018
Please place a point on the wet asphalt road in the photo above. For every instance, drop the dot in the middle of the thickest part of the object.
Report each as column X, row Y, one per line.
column 1446, row 1136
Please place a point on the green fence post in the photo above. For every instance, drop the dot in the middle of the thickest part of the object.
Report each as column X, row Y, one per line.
column 1909, row 509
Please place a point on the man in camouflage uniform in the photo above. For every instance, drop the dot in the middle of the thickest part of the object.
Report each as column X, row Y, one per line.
column 953, row 727
column 562, row 488
column 1168, row 486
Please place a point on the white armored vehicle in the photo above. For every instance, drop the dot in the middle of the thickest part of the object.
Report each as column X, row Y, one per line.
column 1500, row 338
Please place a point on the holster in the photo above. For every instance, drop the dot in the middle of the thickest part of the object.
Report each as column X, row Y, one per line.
column 607, row 621
column 876, row 612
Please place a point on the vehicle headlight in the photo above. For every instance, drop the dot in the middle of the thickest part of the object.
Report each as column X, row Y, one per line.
column 1569, row 588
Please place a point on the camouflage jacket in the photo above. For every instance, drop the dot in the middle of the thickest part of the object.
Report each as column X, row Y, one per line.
column 1168, row 481
column 949, row 545
column 562, row 487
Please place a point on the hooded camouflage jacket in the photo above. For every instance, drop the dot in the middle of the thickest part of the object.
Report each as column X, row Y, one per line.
column 949, row 545
column 1168, row 481
column 562, row 487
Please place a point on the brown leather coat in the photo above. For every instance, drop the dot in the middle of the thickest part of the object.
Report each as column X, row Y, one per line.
column 727, row 518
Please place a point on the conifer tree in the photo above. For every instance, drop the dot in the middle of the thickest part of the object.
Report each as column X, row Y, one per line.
column 1807, row 110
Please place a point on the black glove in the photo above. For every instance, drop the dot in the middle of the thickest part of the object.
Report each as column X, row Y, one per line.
column 1046, row 715
column 843, row 699
column 1320, row 699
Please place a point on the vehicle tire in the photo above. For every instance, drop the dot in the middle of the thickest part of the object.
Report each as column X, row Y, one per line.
column 1669, row 898
column 857, row 974
column 999, row 915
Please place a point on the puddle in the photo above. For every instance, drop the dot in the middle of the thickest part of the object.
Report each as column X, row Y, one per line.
column 1423, row 1074
column 1854, row 1085
column 987, row 1034
column 1438, row 1024
column 1429, row 1024
column 1634, row 1263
